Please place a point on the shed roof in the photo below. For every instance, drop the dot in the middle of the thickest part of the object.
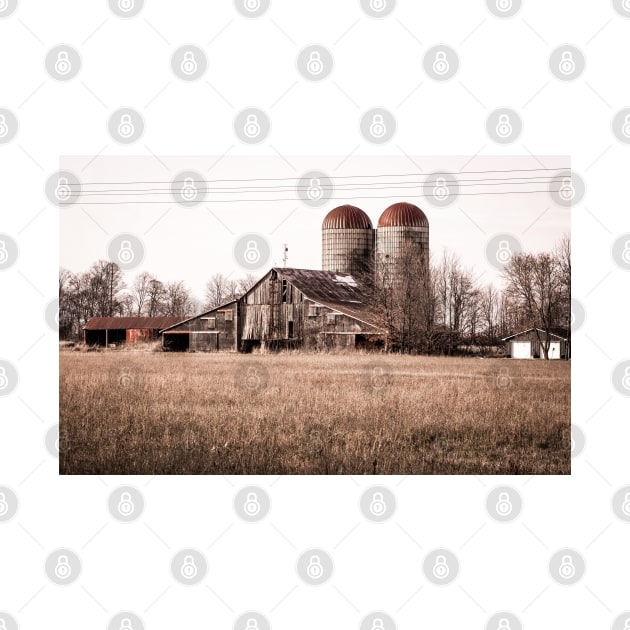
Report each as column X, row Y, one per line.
column 553, row 334
column 120, row 323
column 189, row 319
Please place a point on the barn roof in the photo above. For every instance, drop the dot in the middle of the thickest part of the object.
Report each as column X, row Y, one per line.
column 562, row 334
column 120, row 323
column 189, row 319
column 339, row 291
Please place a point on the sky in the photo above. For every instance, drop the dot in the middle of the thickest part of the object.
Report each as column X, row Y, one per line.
column 193, row 243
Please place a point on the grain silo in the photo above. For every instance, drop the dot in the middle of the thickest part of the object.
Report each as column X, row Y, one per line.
column 402, row 237
column 347, row 241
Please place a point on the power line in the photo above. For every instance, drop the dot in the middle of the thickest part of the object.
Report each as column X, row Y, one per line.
column 273, row 179
column 516, row 181
column 107, row 203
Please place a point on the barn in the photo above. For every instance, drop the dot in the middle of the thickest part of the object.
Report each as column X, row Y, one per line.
column 286, row 308
column 327, row 308
column 103, row 331
column 527, row 344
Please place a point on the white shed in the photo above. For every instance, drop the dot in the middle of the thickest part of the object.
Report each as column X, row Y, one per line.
column 527, row 344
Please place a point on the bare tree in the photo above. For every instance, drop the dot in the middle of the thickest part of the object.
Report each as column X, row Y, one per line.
column 178, row 302
column 489, row 307
column 534, row 284
column 458, row 301
column 155, row 299
column 247, row 282
column 140, row 292
column 216, row 289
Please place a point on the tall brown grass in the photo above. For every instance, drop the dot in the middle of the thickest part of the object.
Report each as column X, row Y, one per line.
column 165, row 413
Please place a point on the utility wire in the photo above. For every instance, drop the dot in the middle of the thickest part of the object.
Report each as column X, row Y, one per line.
column 516, row 181
column 274, row 179
column 517, row 192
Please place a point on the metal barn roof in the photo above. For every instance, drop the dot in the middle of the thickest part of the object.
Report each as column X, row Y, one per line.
column 124, row 323
column 336, row 290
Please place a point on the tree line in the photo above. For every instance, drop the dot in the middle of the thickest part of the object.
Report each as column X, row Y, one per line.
column 102, row 291
column 434, row 305
column 437, row 305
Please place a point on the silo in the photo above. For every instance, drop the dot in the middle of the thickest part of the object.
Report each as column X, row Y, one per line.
column 402, row 235
column 347, row 241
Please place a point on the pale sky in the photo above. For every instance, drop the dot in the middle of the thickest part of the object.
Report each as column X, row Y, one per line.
column 192, row 244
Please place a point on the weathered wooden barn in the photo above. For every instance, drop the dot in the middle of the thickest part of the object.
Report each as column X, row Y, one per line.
column 527, row 344
column 286, row 308
column 103, row 331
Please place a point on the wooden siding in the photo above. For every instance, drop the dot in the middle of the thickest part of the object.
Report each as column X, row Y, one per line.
column 203, row 337
column 275, row 313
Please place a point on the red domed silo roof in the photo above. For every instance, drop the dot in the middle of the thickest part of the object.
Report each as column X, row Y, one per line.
column 346, row 218
column 403, row 214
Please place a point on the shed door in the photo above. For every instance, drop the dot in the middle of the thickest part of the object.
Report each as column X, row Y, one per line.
column 521, row 349
column 554, row 350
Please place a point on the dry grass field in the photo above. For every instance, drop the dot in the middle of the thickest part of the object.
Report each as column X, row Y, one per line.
column 164, row 413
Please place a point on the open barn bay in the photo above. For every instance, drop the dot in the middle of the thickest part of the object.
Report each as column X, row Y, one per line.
column 296, row 413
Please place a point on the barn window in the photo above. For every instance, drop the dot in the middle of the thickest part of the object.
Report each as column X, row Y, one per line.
column 312, row 310
column 284, row 291
column 290, row 330
column 331, row 318
column 212, row 323
column 229, row 316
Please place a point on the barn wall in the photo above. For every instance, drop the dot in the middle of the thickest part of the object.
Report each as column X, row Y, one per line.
column 277, row 310
column 272, row 310
column 139, row 335
column 205, row 335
